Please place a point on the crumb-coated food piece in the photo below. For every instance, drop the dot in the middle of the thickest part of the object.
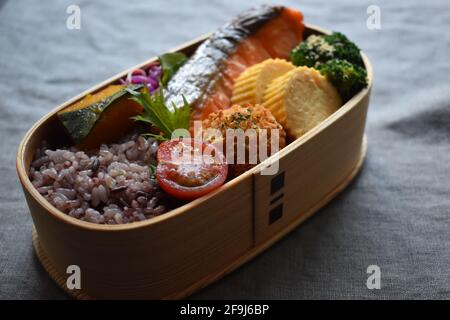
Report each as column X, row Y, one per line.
column 245, row 117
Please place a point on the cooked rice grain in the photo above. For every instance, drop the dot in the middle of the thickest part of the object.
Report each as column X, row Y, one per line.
column 111, row 186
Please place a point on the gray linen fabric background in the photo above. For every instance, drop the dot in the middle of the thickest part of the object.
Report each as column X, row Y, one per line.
column 396, row 214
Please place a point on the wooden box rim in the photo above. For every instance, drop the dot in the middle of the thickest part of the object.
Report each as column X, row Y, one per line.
column 184, row 209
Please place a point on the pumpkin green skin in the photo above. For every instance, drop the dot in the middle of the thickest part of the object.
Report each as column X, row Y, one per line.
column 79, row 123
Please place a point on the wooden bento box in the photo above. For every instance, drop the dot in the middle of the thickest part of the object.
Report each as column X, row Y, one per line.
column 177, row 253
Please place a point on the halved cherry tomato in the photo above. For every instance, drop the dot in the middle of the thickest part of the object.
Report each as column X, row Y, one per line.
column 189, row 168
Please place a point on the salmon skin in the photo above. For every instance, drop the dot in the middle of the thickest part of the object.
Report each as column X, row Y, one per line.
column 206, row 79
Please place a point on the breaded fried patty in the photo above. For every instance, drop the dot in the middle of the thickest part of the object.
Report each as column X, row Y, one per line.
column 253, row 121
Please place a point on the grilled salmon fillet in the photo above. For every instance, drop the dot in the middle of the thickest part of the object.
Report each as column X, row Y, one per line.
column 206, row 80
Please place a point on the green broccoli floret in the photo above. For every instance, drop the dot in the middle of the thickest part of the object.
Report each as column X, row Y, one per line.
column 346, row 77
column 337, row 58
column 318, row 49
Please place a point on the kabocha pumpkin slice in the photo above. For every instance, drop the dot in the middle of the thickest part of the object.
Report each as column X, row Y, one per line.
column 102, row 117
column 251, row 84
column 301, row 99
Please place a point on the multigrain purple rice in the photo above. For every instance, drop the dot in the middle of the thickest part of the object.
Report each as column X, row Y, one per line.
column 111, row 186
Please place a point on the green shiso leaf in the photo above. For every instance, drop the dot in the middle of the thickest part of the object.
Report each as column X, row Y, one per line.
column 170, row 63
column 159, row 115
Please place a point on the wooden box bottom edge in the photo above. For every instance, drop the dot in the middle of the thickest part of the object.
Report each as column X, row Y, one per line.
column 209, row 279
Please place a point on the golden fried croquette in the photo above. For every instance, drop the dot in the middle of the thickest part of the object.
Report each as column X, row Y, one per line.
column 245, row 117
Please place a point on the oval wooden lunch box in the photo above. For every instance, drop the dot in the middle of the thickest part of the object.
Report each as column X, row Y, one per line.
column 175, row 254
